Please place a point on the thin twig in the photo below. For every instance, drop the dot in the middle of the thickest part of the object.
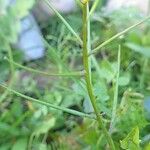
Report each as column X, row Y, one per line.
column 117, row 35
column 45, row 73
column 63, row 20
column 67, row 110
column 94, row 6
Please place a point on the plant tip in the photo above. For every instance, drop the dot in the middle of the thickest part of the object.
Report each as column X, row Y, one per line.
column 84, row 1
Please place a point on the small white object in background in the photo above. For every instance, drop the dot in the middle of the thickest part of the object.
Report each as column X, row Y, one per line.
column 42, row 12
column 30, row 39
column 142, row 5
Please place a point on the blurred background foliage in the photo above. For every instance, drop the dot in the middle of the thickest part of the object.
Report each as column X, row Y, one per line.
column 28, row 125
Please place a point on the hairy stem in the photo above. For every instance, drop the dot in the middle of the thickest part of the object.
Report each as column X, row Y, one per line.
column 87, row 74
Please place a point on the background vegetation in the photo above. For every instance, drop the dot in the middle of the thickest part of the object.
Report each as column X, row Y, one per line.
column 26, row 125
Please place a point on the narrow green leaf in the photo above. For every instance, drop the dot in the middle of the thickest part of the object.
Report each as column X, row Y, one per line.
column 67, row 110
column 63, row 20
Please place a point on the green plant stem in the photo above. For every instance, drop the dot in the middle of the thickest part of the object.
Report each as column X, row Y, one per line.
column 72, row 30
column 45, row 73
column 63, row 20
column 89, row 39
column 99, row 141
column 87, row 76
column 94, row 6
column 67, row 110
column 117, row 36
column 115, row 93
column 93, row 59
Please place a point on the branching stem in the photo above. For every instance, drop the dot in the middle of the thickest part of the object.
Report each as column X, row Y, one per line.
column 87, row 75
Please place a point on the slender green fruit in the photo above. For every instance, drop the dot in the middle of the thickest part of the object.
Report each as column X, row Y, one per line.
column 95, row 50
column 69, row 74
column 70, row 111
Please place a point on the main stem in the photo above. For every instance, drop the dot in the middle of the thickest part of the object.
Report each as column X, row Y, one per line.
column 87, row 75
